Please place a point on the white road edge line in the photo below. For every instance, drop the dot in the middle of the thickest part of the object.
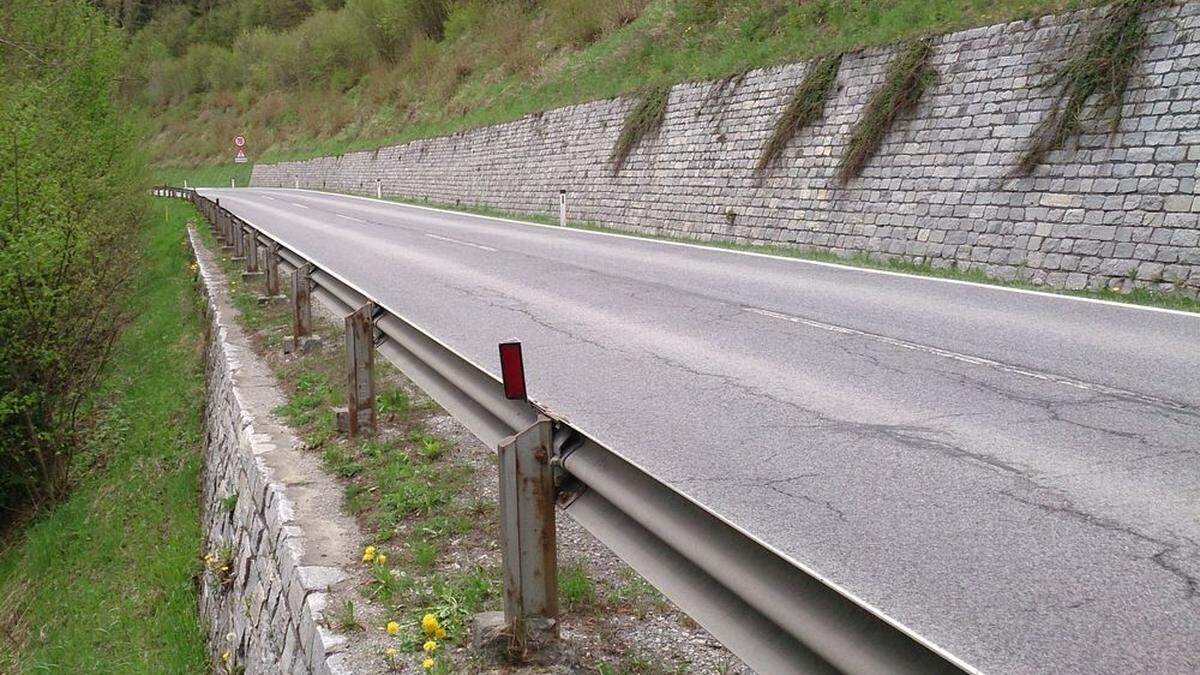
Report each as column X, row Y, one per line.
column 342, row 215
column 464, row 243
column 973, row 360
column 802, row 261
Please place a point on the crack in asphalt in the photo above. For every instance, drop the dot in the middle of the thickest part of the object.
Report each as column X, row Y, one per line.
column 1068, row 509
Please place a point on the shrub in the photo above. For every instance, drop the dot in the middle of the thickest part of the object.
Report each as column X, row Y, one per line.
column 576, row 23
column 70, row 209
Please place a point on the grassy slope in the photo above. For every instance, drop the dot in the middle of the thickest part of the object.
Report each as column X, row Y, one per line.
column 103, row 582
column 510, row 64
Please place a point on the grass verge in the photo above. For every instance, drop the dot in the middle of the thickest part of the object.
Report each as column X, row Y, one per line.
column 205, row 175
column 407, row 488
column 103, row 582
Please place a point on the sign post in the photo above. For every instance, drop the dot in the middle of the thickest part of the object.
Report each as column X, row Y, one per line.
column 240, row 142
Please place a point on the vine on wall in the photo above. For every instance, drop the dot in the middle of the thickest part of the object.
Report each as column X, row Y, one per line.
column 804, row 108
column 643, row 120
column 908, row 77
column 1101, row 67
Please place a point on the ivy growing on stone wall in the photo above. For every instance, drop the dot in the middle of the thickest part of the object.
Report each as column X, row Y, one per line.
column 1101, row 67
column 643, row 120
column 805, row 107
column 908, row 76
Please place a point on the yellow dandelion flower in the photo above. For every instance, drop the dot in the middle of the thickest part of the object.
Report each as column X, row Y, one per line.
column 429, row 624
column 440, row 633
column 380, row 559
column 390, row 651
column 427, row 664
column 430, row 646
column 393, row 628
column 368, row 554
column 225, row 656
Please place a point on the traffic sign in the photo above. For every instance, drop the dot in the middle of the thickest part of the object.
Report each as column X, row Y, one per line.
column 240, row 158
column 239, row 141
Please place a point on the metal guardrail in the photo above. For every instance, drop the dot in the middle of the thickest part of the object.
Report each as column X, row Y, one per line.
column 775, row 614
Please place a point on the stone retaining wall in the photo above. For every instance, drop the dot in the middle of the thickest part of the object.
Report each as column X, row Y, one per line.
column 275, row 541
column 1114, row 210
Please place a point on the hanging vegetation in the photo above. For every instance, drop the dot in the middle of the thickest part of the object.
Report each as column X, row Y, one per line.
column 805, row 107
column 1100, row 67
column 644, row 120
column 909, row 75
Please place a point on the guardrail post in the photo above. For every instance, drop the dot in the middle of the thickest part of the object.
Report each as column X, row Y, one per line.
column 271, row 276
column 239, row 237
column 359, row 415
column 527, row 536
column 301, row 339
column 252, row 271
column 226, row 224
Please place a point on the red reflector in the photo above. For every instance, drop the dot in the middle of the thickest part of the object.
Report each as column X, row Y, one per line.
column 512, row 370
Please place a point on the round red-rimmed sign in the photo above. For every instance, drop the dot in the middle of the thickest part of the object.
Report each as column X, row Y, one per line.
column 239, row 141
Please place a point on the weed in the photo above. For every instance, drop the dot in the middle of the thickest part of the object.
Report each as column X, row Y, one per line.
column 393, row 402
column 229, row 502
column 345, row 619
column 907, row 78
column 431, row 447
column 644, row 119
column 805, row 107
column 424, row 554
column 1101, row 68
column 575, row 588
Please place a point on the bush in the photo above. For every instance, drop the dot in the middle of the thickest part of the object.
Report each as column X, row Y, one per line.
column 72, row 195
column 390, row 25
column 577, row 23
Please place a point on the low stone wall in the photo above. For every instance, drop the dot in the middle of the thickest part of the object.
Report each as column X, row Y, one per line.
column 275, row 541
column 1112, row 210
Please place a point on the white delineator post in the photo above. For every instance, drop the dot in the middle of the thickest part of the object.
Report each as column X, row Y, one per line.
column 562, row 208
column 232, row 182
column 379, row 188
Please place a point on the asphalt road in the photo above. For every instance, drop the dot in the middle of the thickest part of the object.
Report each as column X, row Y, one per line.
column 1015, row 476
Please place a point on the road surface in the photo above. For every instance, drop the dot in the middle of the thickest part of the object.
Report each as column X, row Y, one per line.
column 1013, row 475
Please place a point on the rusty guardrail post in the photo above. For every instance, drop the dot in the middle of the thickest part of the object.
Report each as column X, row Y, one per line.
column 527, row 530
column 271, row 276
column 251, row 271
column 527, row 536
column 301, row 339
column 239, row 237
column 358, row 417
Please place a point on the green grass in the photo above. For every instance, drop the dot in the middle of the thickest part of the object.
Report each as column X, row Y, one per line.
column 204, row 175
column 575, row 588
column 103, row 581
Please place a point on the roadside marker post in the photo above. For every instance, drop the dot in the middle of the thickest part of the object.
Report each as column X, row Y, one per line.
column 379, row 188
column 562, row 208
